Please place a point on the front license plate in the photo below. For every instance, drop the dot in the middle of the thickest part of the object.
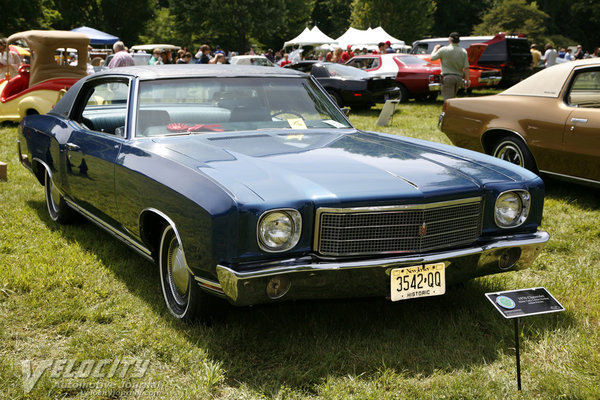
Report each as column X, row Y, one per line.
column 418, row 281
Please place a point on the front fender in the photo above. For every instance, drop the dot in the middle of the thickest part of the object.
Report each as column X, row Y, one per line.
column 40, row 102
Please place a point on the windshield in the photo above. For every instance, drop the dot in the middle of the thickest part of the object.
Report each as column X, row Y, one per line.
column 189, row 106
column 345, row 71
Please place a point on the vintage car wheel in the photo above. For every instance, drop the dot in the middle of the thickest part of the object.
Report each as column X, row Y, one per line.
column 184, row 299
column 403, row 96
column 58, row 210
column 514, row 151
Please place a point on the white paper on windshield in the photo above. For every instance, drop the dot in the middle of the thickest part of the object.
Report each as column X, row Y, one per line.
column 296, row 123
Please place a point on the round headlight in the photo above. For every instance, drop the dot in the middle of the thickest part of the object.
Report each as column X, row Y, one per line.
column 512, row 208
column 279, row 230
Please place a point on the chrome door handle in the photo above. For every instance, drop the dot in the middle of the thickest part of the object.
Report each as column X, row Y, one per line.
column 579, row 120
column 72, row 147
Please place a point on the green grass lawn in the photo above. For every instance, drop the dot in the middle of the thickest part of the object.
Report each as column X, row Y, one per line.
column 74, row 293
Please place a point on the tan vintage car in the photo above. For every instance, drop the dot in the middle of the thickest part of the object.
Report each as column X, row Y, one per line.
column 548, row 123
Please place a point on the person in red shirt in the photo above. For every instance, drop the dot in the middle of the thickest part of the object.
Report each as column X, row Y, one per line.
column 348, row 54
column 285, row 60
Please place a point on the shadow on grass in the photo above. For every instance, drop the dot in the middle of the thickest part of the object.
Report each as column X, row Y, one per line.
column 582, row 196
column 301, row 344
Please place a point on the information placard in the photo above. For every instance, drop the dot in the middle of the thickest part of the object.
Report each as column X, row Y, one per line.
column 524, row 302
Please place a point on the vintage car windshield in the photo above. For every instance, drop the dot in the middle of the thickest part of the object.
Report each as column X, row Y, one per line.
column 347, row 72
column 188, row 106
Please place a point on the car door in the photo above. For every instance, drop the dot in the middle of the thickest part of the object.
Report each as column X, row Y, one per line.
column 581, row 138
column 94, row 145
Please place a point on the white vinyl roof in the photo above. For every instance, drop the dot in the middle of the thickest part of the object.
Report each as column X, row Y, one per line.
column 549, row 81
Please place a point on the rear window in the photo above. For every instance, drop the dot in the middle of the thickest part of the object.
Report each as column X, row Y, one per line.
column 411, row 60
column 518, row 46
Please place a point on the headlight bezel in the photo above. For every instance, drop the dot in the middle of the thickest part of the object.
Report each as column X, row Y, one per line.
column 295, row 219
column 524, row 199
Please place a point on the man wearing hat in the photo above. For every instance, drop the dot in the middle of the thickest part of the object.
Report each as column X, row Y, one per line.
column 455, row 66
column 388, row 47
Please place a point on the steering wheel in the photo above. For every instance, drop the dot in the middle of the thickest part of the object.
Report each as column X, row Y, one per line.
column 287, row 112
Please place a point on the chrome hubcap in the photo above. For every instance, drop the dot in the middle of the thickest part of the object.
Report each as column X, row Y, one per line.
column 177, row 273
column 510, row 153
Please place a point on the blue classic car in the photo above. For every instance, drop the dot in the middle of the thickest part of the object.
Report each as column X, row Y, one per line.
column 250, row 184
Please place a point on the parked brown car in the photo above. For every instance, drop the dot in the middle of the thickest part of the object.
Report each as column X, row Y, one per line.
column 548, row 123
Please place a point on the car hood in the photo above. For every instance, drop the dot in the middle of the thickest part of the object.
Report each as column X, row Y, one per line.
column 352, row 166
column 475, row 51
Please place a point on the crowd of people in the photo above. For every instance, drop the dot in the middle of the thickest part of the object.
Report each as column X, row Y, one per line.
column 551, row 56
column 205, row 55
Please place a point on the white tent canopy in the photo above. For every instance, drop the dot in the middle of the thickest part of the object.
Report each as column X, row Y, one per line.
column 365, row 38
column 310, row 37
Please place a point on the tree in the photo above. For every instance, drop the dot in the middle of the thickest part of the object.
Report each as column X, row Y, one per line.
column 404, row 19
column 240, row 24
column 577, row 19
column 124, row 20
column 514, row 16
column 21, row 15
column 458, row 16
column 331, row 16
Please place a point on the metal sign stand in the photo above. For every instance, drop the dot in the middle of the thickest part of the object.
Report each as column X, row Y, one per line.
column 513, row 304
column 517, row 339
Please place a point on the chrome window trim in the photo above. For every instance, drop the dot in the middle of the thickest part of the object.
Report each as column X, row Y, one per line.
column 101, row 79
column 352, row 210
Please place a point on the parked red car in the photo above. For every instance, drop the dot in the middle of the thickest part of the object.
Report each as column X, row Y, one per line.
column 416, row 78
column 480, row 77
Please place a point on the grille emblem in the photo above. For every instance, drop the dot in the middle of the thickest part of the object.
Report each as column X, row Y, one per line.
column 423, row 230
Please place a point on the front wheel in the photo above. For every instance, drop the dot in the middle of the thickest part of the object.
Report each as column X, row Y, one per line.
column 514, row 151
column 58, row 210
column 183, row 298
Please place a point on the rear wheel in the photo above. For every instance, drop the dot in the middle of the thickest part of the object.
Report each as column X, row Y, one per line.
column 403, row 96
column 513, row 150
column 58, row 210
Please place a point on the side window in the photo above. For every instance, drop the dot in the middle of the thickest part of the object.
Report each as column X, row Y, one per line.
column 585, row 89
column 105, row 107
column 365, row 62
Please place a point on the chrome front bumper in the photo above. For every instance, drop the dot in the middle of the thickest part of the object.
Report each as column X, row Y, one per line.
column 314, row 279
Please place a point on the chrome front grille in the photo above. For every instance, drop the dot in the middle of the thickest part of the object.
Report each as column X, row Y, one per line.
column 397, row 229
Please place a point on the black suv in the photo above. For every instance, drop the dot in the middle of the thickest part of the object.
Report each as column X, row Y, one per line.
column 510, row 53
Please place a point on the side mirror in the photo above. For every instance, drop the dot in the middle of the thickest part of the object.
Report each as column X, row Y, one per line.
column 346, row 111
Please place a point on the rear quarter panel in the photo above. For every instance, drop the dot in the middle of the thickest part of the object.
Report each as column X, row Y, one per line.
column 476, row 123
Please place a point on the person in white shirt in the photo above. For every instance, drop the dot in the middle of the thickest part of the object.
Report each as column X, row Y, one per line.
column 550, row 55
column 6, row 55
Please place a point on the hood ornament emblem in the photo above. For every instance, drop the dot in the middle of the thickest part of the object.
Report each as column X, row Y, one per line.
column 423, row 230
